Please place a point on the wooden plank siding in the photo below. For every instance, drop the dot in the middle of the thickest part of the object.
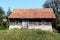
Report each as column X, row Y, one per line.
column 39, row 23
column 31, row 22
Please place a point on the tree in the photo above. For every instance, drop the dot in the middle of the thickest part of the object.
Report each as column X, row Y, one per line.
column 1, row 17
column 5, row 23
column 55, row 4
column 8, row 12
column 1, row 12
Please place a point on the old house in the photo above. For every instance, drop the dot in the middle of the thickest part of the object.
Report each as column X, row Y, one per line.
column 32, row 18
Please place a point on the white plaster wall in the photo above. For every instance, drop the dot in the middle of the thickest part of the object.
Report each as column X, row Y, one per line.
column 42, row 27
column 15, row 26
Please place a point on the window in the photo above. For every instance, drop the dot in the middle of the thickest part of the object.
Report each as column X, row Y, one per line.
column 43, row 22
column 18, row 22
column 12, row 22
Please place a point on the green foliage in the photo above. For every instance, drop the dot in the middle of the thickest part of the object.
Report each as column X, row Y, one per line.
column 55, row 30
column 53, row 4
column 8, row 12
column 28, row 35
column 3, row 25
column 1, row 17
column 1, row 12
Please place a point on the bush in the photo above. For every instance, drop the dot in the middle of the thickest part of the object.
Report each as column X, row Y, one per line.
column 55, row 30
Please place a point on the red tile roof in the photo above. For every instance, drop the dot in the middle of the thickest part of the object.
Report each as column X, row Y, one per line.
column 32, row 13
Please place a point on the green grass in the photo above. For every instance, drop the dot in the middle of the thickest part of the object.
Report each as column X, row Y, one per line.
column 25, row 34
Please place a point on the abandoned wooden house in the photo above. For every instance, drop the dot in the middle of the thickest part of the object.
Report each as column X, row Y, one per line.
column 32, row 18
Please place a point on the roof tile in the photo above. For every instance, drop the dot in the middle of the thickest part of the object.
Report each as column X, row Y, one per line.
column 32, row 13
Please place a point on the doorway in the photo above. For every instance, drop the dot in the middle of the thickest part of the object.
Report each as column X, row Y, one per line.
column 25, row 23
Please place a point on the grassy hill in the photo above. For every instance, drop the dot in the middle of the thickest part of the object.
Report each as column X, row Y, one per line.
column 28, row 35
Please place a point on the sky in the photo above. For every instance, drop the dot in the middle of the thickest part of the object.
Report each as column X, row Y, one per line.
column 13, row 4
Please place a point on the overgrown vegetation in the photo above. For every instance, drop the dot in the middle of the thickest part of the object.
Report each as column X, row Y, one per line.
column 25, row 34
column 3, row 24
